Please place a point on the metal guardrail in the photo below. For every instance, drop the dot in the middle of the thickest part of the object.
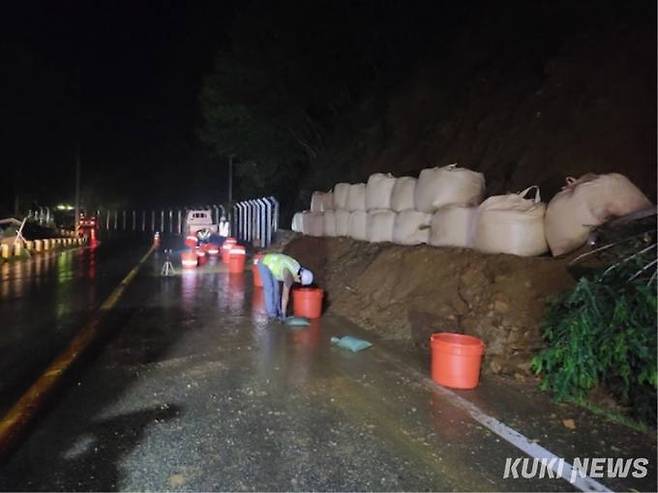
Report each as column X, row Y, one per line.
column 256, row 221
column 168, row 220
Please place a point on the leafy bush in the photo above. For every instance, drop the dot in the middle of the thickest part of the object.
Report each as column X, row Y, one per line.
column 603, row 332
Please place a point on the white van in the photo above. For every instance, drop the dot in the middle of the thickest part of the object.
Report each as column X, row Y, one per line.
column 199, row 220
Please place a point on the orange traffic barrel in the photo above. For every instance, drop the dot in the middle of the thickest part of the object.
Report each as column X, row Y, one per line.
column 191, row 241
column 258, row 282
column 211, row 248
column 236, row 260
column 189, row 258
column 456, row 360
column 307, row 302
column 226, row 248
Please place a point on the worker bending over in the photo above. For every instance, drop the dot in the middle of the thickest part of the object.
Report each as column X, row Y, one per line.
column 275, row 268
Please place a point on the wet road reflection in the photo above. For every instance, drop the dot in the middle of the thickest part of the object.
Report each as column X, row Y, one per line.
column 44, row 300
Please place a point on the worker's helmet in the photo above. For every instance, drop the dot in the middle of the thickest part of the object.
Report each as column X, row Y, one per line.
column 305, row 276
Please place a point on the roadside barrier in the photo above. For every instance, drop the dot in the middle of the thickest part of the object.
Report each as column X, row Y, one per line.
column 211, row 248
column 191, row 241
column 19, row 248
column 189, row 259
column 236, row 260
column 226, row 248
column 456, row 360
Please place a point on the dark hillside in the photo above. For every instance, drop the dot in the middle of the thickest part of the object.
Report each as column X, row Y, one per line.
column 528, row 95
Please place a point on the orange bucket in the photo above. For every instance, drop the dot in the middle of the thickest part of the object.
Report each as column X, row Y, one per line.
column 226, row 248
column 258, row 282
column 189, row 259
column 236, row 259
column 456, row 360
column 307, row 302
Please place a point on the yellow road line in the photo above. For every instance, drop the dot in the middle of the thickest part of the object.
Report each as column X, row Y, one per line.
column 25, row 409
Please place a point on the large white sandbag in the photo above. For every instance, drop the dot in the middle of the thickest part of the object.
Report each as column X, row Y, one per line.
column 411, row 228
column 329, row 223
column 296, row 225
column 379, row 190
column 306, row 223
column 328, row 201
column 358, row 225
column 512, row 224
column 449, row 185
column 342, row 222
column 585, row 203
column 356, row 198
column 453, row 225
column 402, row 196
column 380, row 225
column 313, row 224
column 316, row 201
column 341, row 191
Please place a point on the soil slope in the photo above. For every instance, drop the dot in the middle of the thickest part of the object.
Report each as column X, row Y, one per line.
column 406, row 293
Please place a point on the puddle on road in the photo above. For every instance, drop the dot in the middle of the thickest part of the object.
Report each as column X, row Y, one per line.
column 21, row 277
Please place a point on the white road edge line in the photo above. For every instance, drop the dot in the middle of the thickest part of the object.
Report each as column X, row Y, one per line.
column 522, row 442
column 510, row 435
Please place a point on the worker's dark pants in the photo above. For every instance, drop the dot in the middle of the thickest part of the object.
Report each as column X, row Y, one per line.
column 271, row 291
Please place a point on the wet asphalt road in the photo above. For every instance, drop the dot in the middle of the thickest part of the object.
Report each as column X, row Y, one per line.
column 193, row 389
column 45, row 299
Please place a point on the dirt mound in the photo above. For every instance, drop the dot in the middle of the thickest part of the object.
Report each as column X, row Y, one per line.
column 406, row 293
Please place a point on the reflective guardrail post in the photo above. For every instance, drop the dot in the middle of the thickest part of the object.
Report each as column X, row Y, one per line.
column 275, row 216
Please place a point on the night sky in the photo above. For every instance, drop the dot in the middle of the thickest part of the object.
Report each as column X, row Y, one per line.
column 157, row 94
column 121, row 78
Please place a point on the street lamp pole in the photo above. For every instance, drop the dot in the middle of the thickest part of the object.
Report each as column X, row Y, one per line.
column 77, row 187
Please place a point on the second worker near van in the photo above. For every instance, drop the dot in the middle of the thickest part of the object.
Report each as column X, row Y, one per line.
column 275, row 268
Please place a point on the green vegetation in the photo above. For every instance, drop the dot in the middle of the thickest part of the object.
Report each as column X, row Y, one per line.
column 603, row 332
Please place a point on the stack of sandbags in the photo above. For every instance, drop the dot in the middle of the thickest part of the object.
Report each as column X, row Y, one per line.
column 402, row 196
column 586, row 203
column 313, row 223
column 411, row 228
column 512, row 224
column 453, row 226
column 297, row 225
column 328, row 201
column 322, row 201
column 356, row 197
column 342, row 222
column 316, row 201
column 448, row 185
column 380, row 225
column 378, row 191
column 358, row 225
column 329, row 223
column 341, row 192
